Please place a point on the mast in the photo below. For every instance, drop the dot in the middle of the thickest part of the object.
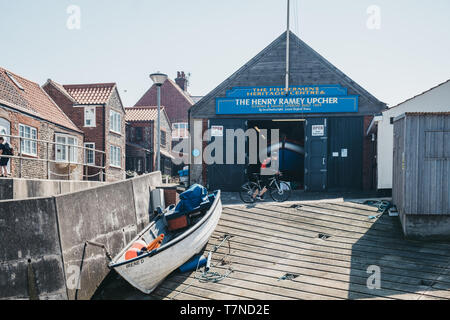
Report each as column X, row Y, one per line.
column 287, row 47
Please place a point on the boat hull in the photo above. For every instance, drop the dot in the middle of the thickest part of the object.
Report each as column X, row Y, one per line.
column 147, row 273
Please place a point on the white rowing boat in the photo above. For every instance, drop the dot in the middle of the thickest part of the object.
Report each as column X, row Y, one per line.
column 148, row 270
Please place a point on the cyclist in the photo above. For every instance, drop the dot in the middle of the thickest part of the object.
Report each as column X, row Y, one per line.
column 266, row 172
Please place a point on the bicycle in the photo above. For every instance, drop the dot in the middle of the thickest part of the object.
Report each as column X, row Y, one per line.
column 280, row 191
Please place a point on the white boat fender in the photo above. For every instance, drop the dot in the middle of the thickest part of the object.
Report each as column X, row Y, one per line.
column 208, row 262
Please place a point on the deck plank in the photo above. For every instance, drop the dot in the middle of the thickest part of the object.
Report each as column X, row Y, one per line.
column 270, row 240
column 340, row 237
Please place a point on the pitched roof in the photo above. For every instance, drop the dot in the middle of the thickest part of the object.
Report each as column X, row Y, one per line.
column 307, row 67
column 176, row 101
column 146, row 113
column 97, row 93
column 32, row 99
column 420, row 94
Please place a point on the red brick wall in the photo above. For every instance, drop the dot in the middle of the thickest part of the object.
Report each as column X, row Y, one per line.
column 100, row 134
column 76, row 114
column 172, row 99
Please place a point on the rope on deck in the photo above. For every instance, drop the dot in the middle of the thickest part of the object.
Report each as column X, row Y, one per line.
column 211, row 276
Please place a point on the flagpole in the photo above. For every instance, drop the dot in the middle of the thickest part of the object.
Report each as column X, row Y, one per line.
column 287, row 47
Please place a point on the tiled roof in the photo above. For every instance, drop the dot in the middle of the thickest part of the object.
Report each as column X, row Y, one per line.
column 149, row 113
column 98, row 93
column 60, row 88
column 32, row 99
column 176, row 101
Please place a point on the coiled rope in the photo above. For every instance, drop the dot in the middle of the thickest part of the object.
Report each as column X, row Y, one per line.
column 208, row 275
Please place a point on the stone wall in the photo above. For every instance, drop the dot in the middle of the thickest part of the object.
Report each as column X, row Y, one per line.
column 31, row 259
column 32, row 188
column 118, row 140
column 44, row 239
column 32, row 168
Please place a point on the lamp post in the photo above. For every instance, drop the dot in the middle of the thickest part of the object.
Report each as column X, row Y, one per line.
column 158, row 78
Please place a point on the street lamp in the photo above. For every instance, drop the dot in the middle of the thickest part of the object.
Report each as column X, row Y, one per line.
column 158, row 78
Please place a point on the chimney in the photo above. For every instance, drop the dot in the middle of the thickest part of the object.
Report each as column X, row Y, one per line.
column 181, row 80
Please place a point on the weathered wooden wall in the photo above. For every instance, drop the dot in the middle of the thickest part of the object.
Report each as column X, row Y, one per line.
column 422, row 181
column 421, row 186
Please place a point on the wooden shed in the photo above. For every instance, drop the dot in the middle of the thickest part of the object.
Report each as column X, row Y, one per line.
column 421, row 181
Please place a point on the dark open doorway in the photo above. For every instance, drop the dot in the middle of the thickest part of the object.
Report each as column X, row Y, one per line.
column 291, row 152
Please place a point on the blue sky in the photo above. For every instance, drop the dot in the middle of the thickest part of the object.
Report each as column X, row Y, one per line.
column 124, row 41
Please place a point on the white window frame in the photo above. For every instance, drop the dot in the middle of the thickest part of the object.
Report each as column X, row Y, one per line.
column 115, row 122
column 88, row 110
column 176, row 130
column 115, row 156
column 32, row 145
column 90, row 145
column 73, row 157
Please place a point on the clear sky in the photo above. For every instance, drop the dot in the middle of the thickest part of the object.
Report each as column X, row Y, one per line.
column 124, row 41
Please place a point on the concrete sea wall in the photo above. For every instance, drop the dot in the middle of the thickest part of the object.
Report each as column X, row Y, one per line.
column 32, row 188
column 44, row 253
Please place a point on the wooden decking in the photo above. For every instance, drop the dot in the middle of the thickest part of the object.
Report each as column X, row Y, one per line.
column 271, row 240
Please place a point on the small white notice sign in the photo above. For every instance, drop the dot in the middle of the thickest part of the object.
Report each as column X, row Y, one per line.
column 217, row 131
column 335, row 154
column 318, row 130
column 344, row 153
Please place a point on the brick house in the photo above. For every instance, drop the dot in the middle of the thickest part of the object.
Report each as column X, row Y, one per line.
column 26, row 111
column 141, row 147
column 177, row 102
column 97, row 110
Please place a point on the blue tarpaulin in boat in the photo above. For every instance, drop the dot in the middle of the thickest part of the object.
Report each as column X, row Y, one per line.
column 192, row 198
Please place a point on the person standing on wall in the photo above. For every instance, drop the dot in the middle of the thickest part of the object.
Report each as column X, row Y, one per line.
column 5, row 149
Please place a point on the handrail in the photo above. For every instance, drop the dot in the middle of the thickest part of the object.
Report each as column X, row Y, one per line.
column 32, row 158
column 51, row 142
column 98, row 156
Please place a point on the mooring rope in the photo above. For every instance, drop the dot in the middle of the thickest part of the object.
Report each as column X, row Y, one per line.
column 211, row 276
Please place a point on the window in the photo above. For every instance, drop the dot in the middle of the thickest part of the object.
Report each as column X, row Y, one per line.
column 28, row 147
column 115, row 157
column 180, row 130
column 89, row 155
column 89, row 117
column 115, row 122
column 163, row 139
column 64, row 150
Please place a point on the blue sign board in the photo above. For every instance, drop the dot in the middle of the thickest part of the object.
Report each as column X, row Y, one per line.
column 301, row 99
column 319, row 90
column 287, row 104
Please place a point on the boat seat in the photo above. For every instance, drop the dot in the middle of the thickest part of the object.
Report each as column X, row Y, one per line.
column 177, row 219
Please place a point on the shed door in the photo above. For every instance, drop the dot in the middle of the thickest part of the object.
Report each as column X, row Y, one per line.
column 346, row 153
column 226, row 177
column 316, row 136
